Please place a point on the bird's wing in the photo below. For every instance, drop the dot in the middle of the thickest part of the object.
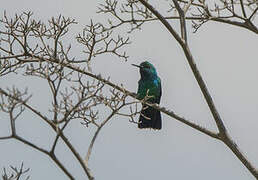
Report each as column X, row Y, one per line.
column 140, row 94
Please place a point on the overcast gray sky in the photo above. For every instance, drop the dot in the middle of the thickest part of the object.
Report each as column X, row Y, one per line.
column 227, row 59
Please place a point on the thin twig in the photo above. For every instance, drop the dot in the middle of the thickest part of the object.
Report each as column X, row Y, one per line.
column 243, row 8
column 182, row 20
column 97, row 132
column 253, row 13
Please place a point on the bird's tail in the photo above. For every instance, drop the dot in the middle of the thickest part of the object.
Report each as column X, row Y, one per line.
column 150, row 118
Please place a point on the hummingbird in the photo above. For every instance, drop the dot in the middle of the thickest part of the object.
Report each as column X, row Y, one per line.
column 149, row 85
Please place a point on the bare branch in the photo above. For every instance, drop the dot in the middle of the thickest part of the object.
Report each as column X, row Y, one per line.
column 16, row 173
column 164, row 21
column 5, row 137
column 243, row 8
column 98, row 40
column 252, row 15
column 67, row 142
column 97, row 132
column 187, row 6
column 182, row 20
column 222, row 130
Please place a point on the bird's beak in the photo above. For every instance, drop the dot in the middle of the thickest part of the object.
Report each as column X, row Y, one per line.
column 136, row 65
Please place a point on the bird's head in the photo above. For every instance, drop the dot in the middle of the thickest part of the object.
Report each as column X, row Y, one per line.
column 147, row 70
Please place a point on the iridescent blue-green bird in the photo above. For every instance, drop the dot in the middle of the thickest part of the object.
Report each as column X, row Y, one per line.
column 149, row 84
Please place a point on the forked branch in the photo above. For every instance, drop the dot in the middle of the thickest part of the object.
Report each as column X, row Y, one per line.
column 223, row 135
